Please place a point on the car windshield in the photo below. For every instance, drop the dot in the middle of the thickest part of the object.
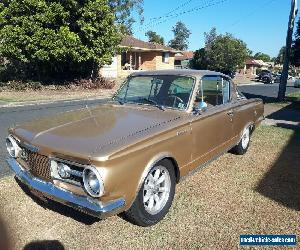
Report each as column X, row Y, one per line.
column 162, row 91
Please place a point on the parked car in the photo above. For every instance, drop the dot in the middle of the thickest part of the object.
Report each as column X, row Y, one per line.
column 229, row 73
column 126, row 156
column 265, row 76
column 297, row 83
column 277, row 77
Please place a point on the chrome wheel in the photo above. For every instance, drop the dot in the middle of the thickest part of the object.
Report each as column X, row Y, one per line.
column 156, row 190
column 246, row 138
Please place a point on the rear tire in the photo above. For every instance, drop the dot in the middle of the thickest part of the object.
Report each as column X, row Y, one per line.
column 155, row 196
column 243, row 145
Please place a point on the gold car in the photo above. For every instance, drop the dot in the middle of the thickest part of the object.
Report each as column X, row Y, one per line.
column 126, row 156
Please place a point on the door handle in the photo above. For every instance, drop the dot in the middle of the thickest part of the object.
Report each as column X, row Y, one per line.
column 230, row 112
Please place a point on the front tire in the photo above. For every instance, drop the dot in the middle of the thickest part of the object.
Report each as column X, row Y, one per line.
column 155, row 196
column 243, row 145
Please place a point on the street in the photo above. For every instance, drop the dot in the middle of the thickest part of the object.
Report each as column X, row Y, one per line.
column 265, row 91
column 15, row 115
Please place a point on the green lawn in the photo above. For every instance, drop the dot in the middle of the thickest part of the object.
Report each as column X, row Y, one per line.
column 292, row 101
column 8, row 99
column 294, row 97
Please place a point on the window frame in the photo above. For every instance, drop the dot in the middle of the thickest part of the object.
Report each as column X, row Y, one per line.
column 222, row 78
column 165, row 58
column 229, row 91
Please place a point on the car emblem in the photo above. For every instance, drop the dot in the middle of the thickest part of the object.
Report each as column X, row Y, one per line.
column 24, row 155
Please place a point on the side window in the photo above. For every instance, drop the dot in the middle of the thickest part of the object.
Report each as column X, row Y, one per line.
column 212, row 90
column 226, row 91
column 216, row 91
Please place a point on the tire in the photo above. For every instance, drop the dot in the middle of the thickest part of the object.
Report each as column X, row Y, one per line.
column 266, row 80
column 243, row 145
column 140, row 213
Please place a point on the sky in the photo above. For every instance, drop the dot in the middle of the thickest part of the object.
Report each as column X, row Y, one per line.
column 261, row 24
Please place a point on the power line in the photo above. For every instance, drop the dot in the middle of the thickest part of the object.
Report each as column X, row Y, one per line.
column 171, row 16
column 173, row 10
column 168, row 16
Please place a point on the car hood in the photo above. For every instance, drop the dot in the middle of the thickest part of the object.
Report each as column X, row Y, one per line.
column 98, row 131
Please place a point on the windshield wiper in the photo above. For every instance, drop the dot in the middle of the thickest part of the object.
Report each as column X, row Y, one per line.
column 161, row 107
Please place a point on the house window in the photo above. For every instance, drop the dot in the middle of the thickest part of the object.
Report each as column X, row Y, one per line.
column 123, row 58
column 165, row 57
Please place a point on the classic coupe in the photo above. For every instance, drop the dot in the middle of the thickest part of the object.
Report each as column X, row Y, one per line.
column 127, row 155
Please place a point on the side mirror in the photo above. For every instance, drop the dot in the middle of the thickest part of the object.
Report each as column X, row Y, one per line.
column 201, row 107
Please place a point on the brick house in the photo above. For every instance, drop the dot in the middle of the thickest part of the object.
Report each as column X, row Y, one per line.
column 139, row 55
column 251, row 65
column 183, row 59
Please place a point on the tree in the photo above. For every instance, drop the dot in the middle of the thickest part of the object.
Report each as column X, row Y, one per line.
column 226, row 53
column 295, row 53
column 280, row 58
column 123, row 10
column 153, row 37
column 209, row 37
column 262, row 56
column 181, row 36
column 199, row 60
column 57, row 38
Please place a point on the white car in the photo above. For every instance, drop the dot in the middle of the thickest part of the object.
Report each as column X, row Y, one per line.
column 297, row 83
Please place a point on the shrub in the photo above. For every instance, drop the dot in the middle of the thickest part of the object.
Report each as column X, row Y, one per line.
column 98, row 83
column 85, row 84
column 57, row 39
column 21, row 85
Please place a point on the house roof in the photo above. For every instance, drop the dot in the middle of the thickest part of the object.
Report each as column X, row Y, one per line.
column 129, row 41
column 184, row 55
column 256, row 62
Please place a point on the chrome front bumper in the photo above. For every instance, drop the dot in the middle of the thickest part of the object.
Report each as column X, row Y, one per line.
column 83, row 203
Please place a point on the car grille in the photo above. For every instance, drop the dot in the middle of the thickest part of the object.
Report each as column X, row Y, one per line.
column 38, row 165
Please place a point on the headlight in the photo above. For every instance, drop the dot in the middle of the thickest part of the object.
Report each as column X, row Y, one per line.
column 92, row 181
column 12, row 147
column 63, row 170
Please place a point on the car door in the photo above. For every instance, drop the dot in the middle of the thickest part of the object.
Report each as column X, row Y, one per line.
column 212, row 130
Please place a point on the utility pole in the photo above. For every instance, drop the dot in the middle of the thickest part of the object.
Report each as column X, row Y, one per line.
column 289, row 37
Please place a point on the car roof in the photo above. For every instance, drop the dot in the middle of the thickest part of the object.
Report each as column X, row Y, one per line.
column 179, row 72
